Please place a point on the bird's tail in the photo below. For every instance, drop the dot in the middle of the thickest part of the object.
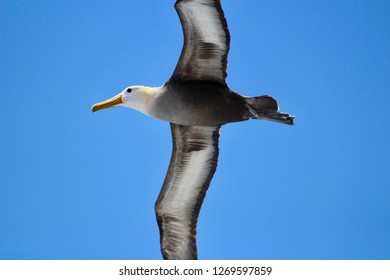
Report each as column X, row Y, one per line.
column 266, row 108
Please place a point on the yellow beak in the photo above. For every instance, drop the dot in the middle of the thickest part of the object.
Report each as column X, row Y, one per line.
column 116, row 100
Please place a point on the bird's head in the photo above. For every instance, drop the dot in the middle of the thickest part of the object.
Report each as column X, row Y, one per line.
column 135, row 97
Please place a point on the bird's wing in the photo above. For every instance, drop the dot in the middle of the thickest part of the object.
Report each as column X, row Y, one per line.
column 193, row 163
column 206, row 41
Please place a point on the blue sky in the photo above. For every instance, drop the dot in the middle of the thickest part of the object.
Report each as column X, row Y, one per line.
column 78, row 185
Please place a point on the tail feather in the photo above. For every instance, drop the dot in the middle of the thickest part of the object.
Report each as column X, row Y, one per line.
column 266, row 108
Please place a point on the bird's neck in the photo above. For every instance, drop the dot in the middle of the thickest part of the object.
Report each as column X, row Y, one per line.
column 146, row 101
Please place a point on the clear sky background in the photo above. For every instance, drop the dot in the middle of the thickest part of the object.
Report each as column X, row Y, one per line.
column 82, row 185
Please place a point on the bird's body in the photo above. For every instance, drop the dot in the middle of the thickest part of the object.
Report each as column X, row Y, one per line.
column 197, row 102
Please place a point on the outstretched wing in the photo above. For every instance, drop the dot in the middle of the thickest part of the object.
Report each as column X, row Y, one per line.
column 206, row 41
column 193, row 163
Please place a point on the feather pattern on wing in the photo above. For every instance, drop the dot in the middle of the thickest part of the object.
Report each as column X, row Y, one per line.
column 193, row 163
column 206, row 41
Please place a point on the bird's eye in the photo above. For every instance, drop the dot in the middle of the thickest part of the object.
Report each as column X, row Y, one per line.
column 128, row 90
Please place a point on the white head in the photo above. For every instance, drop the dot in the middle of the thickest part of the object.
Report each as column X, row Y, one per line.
column 135, row 97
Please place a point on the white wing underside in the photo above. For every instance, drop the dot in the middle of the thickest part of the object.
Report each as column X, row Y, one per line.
column 206, row 41
column 193, row 163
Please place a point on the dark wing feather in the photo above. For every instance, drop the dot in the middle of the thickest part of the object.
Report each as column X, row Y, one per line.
column 206, row 41
column 193, row 163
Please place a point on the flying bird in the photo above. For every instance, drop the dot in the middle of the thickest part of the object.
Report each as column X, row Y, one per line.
column 196, row 101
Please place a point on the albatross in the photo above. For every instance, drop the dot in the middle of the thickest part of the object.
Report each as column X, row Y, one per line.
column 196, row 101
